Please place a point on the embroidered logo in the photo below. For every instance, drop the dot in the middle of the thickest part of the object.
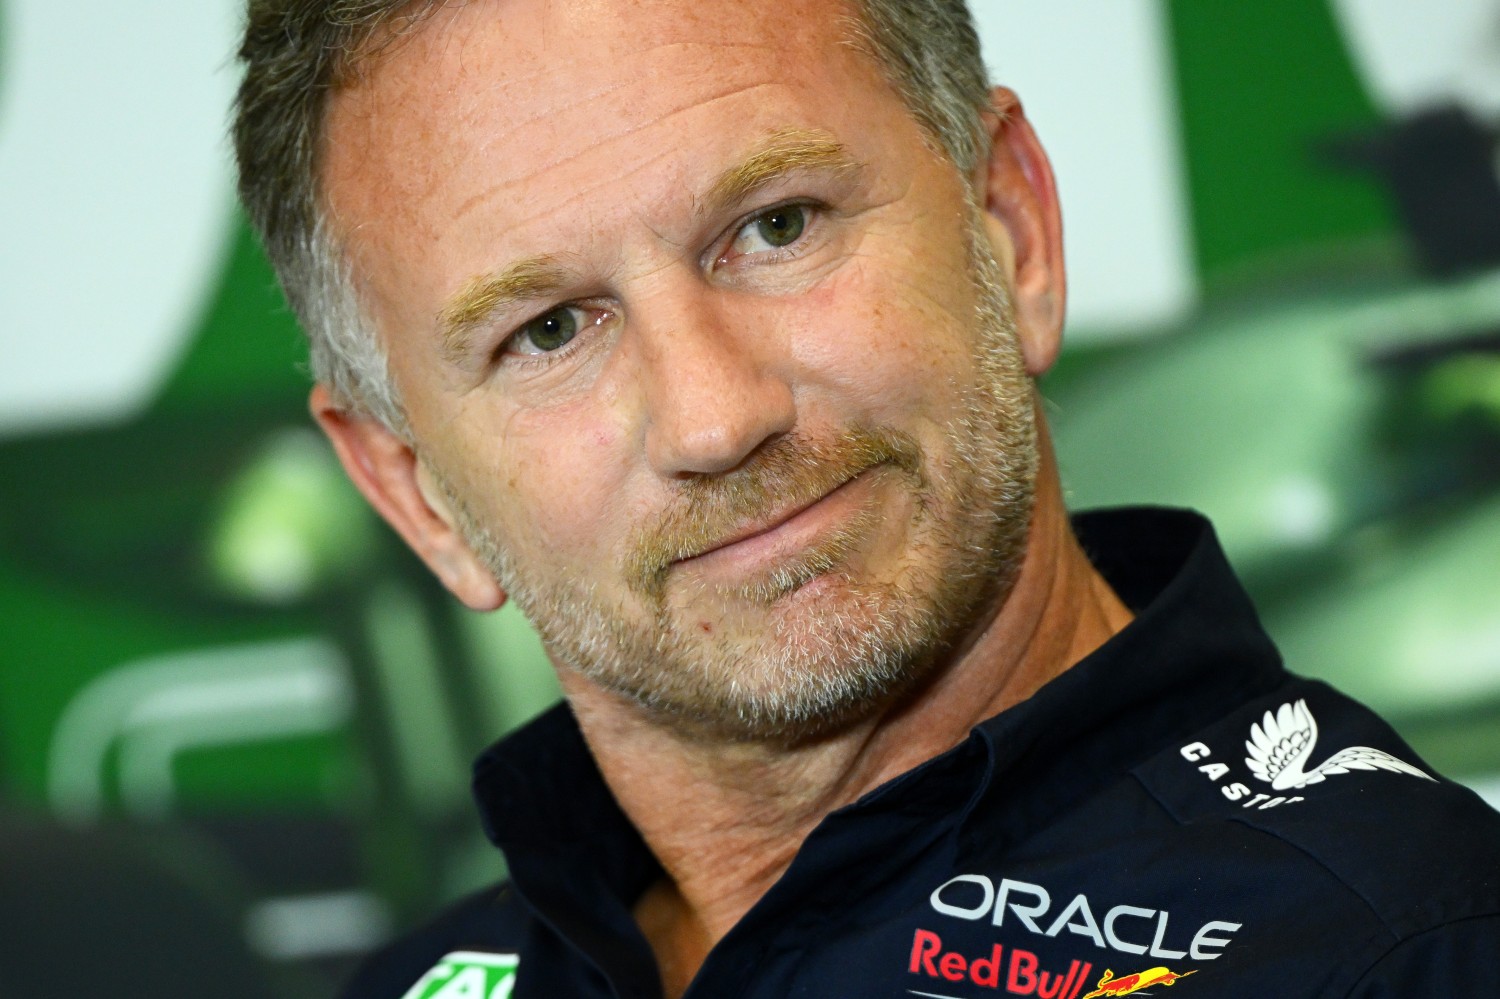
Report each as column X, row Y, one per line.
column 1109, row 985
column 1281, row 746
column 1018, row 971
column 466, row 974
column 1018, row 905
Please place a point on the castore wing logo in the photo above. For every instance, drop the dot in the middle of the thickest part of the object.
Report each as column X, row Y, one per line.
column 1281, row 746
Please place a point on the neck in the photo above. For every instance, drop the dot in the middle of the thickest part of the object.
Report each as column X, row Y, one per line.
column 726, row 819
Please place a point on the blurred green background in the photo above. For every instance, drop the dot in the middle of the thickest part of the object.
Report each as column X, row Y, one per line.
column 236, row 717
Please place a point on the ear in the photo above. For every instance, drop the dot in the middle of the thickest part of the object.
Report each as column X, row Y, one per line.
column 402, row 490
column 1025, row 223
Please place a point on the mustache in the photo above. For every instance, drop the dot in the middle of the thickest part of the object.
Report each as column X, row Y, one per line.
column 790, row 472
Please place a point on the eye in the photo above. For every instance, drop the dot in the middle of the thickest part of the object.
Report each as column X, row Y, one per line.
column 771, row 230
column 548, row 332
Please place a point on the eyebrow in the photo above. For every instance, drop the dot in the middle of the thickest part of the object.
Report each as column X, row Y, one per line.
column 471, row 308
column 783, row 152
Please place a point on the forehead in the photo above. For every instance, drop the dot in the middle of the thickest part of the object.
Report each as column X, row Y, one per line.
column 495, row 100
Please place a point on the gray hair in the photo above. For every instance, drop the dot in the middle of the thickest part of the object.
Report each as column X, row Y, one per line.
column 296, row 52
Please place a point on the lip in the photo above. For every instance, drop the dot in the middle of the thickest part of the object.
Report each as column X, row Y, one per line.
column 787, row 531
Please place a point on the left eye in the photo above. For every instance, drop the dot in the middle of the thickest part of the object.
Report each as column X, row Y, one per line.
column 771, row 230
column 548, row 332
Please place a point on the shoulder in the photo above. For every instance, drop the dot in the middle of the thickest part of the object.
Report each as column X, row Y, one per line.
column 486, row 929
column 1456, row 960
column 1313, row 783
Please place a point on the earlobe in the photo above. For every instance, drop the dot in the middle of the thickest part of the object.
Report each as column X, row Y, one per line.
column 387, row 471
column 1025, row 224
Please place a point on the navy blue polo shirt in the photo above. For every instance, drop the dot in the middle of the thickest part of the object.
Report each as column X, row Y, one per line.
column 1174, row 811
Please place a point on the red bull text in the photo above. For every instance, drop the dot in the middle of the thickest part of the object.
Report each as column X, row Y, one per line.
column 1016, row 971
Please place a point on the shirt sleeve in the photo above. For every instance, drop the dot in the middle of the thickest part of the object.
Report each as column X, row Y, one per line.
column 1460, row 960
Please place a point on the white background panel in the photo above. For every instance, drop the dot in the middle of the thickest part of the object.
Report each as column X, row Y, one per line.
column 115, row 197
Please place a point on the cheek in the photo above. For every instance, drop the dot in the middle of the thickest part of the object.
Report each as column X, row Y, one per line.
column 896, row 343
column 564, row 469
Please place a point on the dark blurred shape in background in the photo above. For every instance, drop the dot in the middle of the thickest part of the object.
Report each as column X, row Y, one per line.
column 1440, row 168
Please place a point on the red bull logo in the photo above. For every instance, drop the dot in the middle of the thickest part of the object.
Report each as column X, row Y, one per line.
column 1013, row 970
column 1109, row 985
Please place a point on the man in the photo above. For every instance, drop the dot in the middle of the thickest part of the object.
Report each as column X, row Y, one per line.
column 707, row 332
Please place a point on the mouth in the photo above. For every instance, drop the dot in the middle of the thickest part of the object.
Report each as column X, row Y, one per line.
column 784, row 534
column 800, row 506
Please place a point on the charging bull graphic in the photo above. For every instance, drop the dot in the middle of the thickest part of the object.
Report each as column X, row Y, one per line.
column 1109, row 985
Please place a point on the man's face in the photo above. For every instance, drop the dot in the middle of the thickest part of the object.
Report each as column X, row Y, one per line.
column 701, row 342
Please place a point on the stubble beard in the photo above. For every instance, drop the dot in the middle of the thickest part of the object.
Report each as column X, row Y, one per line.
column 815, row 666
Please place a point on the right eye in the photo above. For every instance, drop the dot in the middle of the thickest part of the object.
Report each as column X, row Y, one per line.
column 548, row 332
column 772, row 230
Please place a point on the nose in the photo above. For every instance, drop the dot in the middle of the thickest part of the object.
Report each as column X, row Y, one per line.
column 712, row 380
